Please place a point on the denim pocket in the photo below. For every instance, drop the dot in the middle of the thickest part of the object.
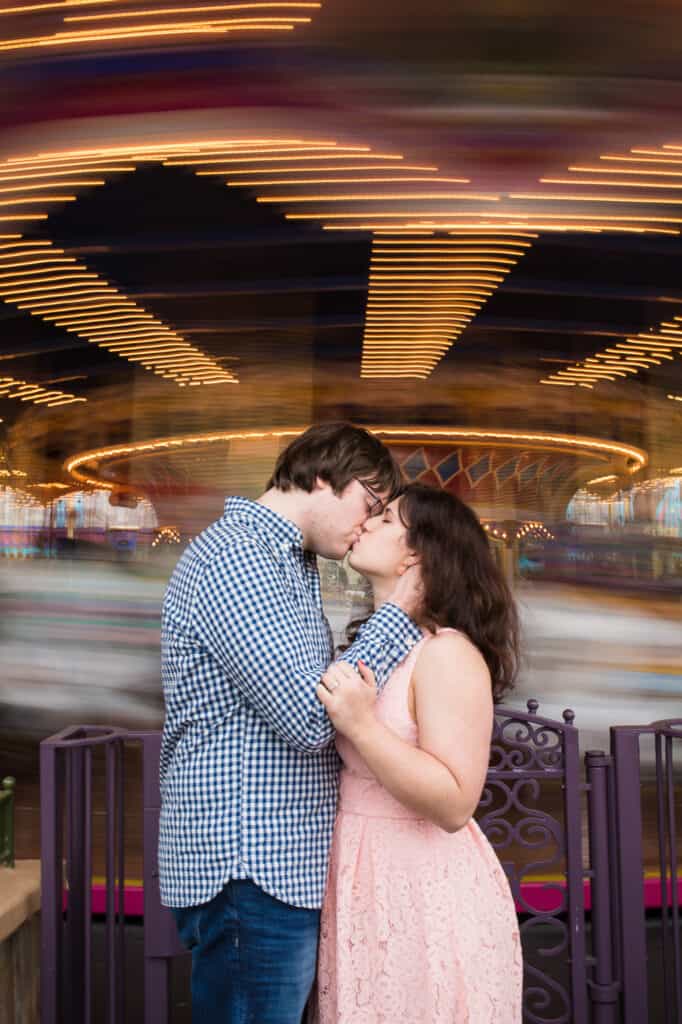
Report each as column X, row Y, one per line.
column 188, row 920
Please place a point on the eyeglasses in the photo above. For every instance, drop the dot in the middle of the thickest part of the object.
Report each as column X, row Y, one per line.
column 377, row 506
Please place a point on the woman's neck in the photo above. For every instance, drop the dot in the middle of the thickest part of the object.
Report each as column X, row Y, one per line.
column 381, row 590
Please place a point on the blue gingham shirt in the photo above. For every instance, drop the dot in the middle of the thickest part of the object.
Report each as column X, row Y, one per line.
column 249, row 771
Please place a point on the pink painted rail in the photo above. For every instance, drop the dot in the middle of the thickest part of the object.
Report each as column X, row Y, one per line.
column 536, row 893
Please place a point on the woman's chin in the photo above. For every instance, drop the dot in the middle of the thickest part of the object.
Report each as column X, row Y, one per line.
column 355, row 562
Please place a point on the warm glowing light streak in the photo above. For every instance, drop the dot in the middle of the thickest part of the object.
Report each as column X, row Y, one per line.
column 371, row 197
column 18, row 248
column 623, row 170
column 567, row 442
column 299, row 159
column 404, row 336
column 661, row 353
column 542, row 196
column 449, row 278
column 657, row 337
column 615, row 184
column 346, row 181
column 446, row 261
column 586, row 371
column 21, row 217
column 403, row 317
column 107, row 338
column 57, row 164
column 35, row 199
column 147, row 348
column 440, row 293
column 92, row 298
column 50, row 184
column 39, row 289
column 145, row 32
column 50, row 261
column 68, row 172
column 640, row 160
column 651, row 152
column 418, row 302
column 602, row 479
column 87, row 319
column 389, row 215
column 606, row 219
column 454, row 241
column 17, row 254
column 328, row 149
column 147, row 149
column 199, row 9
column 59, row 6
column 618, row 225
column 12, row 388
column 306, row 181
column 100, row 314
column 427, row 254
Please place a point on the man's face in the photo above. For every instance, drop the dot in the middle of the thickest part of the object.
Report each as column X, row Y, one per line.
column 336, row 520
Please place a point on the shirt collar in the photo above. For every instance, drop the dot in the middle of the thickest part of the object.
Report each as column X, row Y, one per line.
column 264, row 521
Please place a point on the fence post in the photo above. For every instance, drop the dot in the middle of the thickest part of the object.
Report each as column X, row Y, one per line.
column 7, row 822
column 161, row 941
column 603, row 987
column 574, row 870
column 630, row 868
column 666, row 732
column 78, row 891
column 50, row 884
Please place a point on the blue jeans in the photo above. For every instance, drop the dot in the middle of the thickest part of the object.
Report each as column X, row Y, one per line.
column 253, row 958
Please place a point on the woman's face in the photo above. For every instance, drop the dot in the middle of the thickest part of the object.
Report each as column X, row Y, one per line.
column 381, row 549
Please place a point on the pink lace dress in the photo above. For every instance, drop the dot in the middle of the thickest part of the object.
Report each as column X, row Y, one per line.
column 418, row 925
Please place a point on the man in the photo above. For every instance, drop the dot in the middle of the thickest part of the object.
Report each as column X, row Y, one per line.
column 248, row 766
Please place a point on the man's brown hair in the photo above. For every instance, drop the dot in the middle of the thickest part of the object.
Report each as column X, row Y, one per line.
column 337, row 453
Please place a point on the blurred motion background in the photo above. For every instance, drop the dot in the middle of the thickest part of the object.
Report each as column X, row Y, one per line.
column 458, row 226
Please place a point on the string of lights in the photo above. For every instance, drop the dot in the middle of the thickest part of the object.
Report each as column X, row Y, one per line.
column 449, row 279
column 72, row 29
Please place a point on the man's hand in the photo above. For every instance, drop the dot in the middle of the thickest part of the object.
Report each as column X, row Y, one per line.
column 408, row 592
column 349, row 697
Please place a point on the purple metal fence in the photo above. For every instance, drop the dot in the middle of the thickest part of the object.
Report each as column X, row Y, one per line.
column 629, row 862
column 535, row 810
column 69, row 815
column 531, row 811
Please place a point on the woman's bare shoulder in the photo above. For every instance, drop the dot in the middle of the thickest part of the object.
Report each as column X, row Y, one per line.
column 450, row 652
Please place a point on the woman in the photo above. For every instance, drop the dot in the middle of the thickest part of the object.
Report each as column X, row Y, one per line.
column 418, row 924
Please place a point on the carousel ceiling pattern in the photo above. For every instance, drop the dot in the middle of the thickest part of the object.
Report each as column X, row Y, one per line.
column 423, row 292
column 644, row 175
column 37, row 394
column 431, row 270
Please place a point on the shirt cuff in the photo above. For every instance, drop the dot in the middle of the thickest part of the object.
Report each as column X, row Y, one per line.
column 391, row 619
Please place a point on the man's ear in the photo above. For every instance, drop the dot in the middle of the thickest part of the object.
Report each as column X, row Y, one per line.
column 321, row 485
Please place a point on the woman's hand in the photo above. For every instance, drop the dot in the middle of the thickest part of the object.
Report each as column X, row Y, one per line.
column 349, row 697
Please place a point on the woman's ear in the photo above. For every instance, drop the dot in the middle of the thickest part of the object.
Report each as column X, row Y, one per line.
column 409, row 561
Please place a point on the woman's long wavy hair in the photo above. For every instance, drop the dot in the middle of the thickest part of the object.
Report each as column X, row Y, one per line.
column 463, row 585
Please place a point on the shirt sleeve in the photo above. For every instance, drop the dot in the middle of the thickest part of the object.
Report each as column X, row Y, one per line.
column 247, row 617
column 383, row 641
